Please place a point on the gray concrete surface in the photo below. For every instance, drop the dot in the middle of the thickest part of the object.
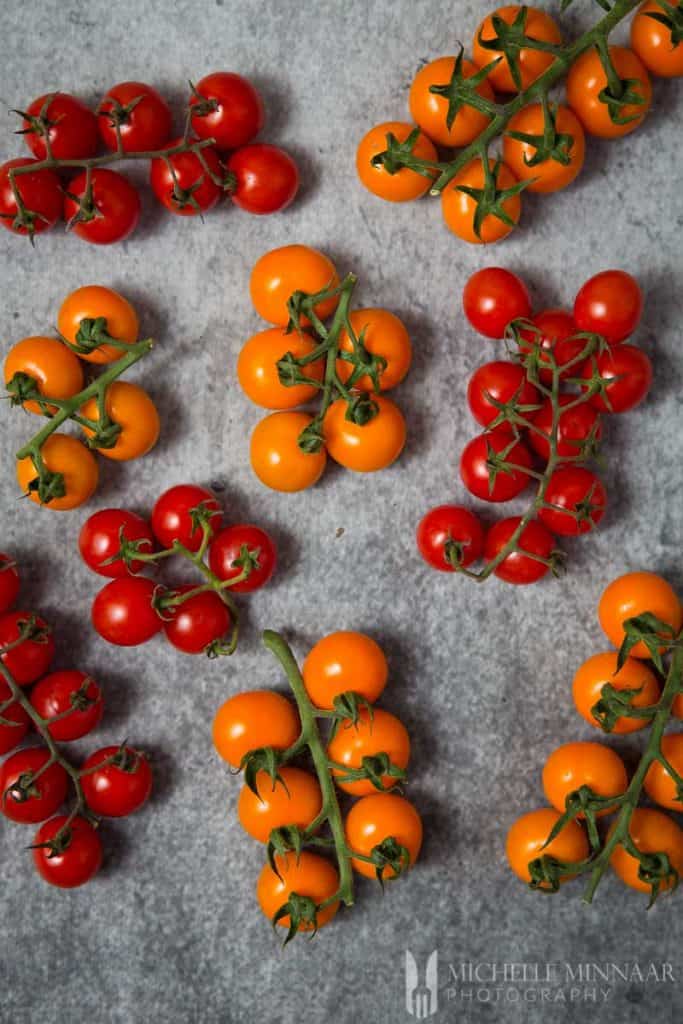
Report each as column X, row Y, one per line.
column 170, row 931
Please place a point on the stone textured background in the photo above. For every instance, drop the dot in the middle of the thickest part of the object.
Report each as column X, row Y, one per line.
column 481, row 676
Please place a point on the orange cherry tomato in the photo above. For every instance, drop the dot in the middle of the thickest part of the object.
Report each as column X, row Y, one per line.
column 404, row 184
column 430, row 111
column 63, row 454
column 294, row 799
column 532, row 63
column 370, row 447
column 601, row 669
column 343, row 662
column 93, row 302
column 587, row 79
column 379, row 733
column 55, row 369
column 583, row 764
column 528, row 834
column 458, row 208
column 378, row 817
column 276, row 457
column 254, row 719
column 653, row 41
column 306, row 875
column 257, row 368
column 383, row 335
column 281, row 272
column 550, row 174
column 652, row 832
column 633, row 594
column 135, row 412
column 659, row 785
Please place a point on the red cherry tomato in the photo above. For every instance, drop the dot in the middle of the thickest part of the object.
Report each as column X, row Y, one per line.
column 501, row 382
column 492, row 298
column 31, row 659
column 518, row 567
column 574, row 428
column 142, row 115
column 99, row 540
column 123, row 612
column 172, row 515
column 71, row 858
column 11, row 735
column 226, row 108
column 183, row 184
column 199, row 623
column 26, row 796
column 627, row 375
column 236, row 546
column 266, row 178
column 611, row 304
column 39, row 191
column 113, row 213
column 479, row 477
column 120, row 787
column 9, row 582
column 68, row 124
column 450, row 536
column 555, row 333
column 72, row 694
column 573, row 489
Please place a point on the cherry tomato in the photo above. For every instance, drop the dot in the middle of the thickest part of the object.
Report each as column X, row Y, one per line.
column 343, row 662
column 536, row 24
column 576, row 426
column 113, row 212
column 526, row 841
column 100, row 536
column 601, row 669
column 383, row 335
column 93, row 302
column 266, row 178
column 554, row 341
column 252, row 720
column 306, row 875
column 123, row 613
column 404, row 184
column 653, row 41
column 518, row 567
column 141, row 114
column 382, row 733
column 133, row 410
column 429, row 110
column 500, row 382
column 29, row 794
column 369, row 447
column 459, row 208
column 485, row 483
column 633, row 594
column 56, row 371
column 119, row 787
column 374, row 819
column 583, row 764
column 226, row 108
column 578, row 501
column 199, row 623
column 659, row 784
column 63, row 121
column 550, row 174
column 40, row 193
column 586, row 82
column 293, row 799
column 450, row 536
column 67, row 456
column 651, row 832
column 627, row 375
column 243, row 545
column 258, row 374
column 9, row 582
column 70, row 859
column 492, row 298
column 611, row 304
column 182, row 183
column 275, row 455
column 32, row 657
column 11, row 735
column 172, row 518
column 281, row 272
column 71, row 694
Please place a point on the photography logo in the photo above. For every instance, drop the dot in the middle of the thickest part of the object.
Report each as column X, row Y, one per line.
column 422, row 994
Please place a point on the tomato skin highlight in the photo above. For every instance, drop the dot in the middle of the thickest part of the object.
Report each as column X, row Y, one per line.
column 77, row 863
column 31, row 658
column 171, row 519
column 633, row 594
column 444, row 524
column 651, row 832
column 123, row 613
column 526, row 838
column 99, row 541
column 611, row 304
column 226, row 548
column 574, row 765
column 115, row 200
column 89, row 303
column 381, row 734
column 267, row 179
column 600, row 669
column 405, row 184
column 53, row 695
column 51, row 786
column 238, row 112
column 652, row 42
column 254, row 719
column 518, row 567
column 476, row 475
column 114, row 791
column 308, row 875
column 377, row 817
column 501, row 381
column 40, row 192
column 429, row 110
column 492, row 298
column 147, row 126
column 196, row 623
column 72, row 130
column 341, row 662
column 587, row 79
column 568, row 488
column 548, row 175
column 295, row 800
column 627, row 373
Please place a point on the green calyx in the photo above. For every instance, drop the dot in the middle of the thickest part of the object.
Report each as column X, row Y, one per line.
column 671, row 17
column 461, row 90
column 551, row 145
column 511, row 39
column 490, row 200
column 398, row 155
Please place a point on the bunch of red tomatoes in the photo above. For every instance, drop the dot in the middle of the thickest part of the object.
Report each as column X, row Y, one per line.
column 514, row 401
column 34, row 781
column 189, row 174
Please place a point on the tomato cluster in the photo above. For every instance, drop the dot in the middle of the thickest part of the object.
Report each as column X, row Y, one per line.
column 541, row 413
column 34, row 781
column 197, row 617
column 189, row 174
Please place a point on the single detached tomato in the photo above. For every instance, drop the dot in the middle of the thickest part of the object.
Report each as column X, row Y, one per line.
column 377, row 818
column 611, row 304
column 651, row 832
column 226, row 108
column 64, row 123
column 575, row 501
column 368, row 738
column 29, row 791
column 401, row 184
column 552, row 337
column 67, row 853
column 601, row 669
column 528, row 565
column 64, row 455
column 276, row 457
column 659, row 784
column 40, row 193
column 174, row 517
column 657, row 41
column 291, row 268
column 292, row 799
column 266, row 178
column 532, row 23
column 450, row 536
column 587, row 92
column 367, row 447
column 527, row 836
column 429, row 109
column 557, row 168
column 500, row 383
column 479, row 468
column 100, row 540
column 633, row 594
column 52, row 368
column 344, row 662
column 381, row 334
column 577, row 426
column 241, row 547
column 123, row 612
column 199, row 624
column 253, row 720
column 129, row 406
column 9, row 581
column 492, row 298
column 92, row 311
column 142, row 116
column 258, row 374
column 306, row 875
column 182, row 183
column 118, row 787
column 16, row 721
column 626, row 375
column 574, row 765
column 73, row 698
column 110, row 214
column 30, row 659
column 459, row 207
